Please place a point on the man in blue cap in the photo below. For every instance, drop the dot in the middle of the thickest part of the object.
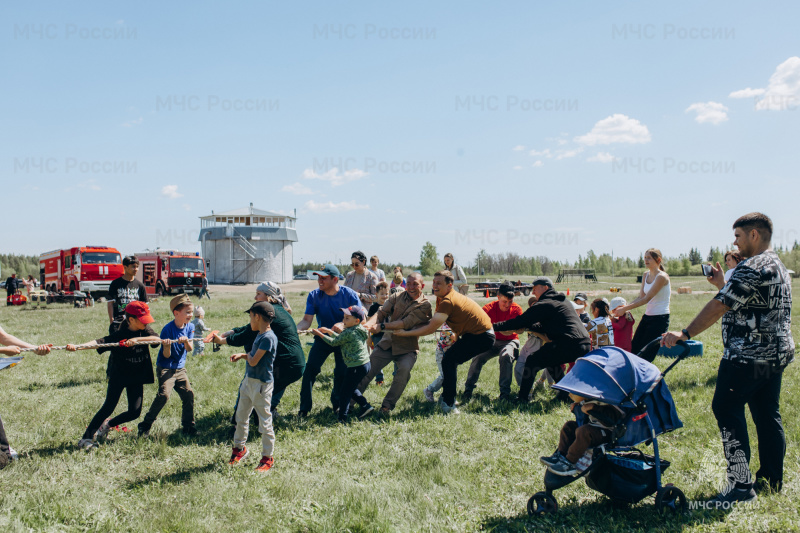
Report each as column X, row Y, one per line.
column 326, row 303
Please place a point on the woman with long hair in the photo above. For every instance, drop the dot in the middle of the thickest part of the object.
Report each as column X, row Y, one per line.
column 459, row 278
column 655, row 294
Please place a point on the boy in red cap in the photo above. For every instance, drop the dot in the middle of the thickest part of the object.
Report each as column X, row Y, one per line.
column 129, row 368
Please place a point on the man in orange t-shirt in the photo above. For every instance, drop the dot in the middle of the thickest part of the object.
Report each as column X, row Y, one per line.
column 505, row 346
column 470, row 324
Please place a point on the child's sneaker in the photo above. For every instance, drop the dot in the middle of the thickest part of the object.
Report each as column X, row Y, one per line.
column 379, row 383
column 86, row 444
column 12, row 454
column 563, row 468
column 237, row 455
column 189, row 431
column 102, row 433
column 265, row 464
column 428, row 394
column 144, row 429
column 366, row 410
column 553, row 459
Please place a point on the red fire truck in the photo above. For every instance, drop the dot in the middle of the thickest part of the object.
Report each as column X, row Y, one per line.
column 82, row 268
column 171, row 272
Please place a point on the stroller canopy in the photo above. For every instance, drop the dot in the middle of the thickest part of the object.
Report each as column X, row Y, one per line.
column 616, row 377
column 611, row 375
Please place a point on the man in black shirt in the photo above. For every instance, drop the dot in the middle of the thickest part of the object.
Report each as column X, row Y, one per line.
column 554, row 317
column 123, row 291
column 756, row 310
column 12, row 284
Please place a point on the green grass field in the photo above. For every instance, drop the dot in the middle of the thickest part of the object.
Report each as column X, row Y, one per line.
column 413, row 471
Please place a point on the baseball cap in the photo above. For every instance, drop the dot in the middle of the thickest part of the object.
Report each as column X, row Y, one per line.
column 617, row 302
column 270, row 288
column 506, row 289
column 581, row 296
column 178, row 300
column 141, row 311
column 576, row 305
column 264, row 309
column 356, row 311
column 327, row 270
column 544, row 280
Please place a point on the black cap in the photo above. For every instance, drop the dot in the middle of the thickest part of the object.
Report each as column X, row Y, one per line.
column 506, row 289
column 264, row 309
column 547, row 282
column 581, row 296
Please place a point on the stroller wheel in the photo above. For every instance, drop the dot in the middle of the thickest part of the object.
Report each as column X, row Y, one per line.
column 541, row 504
column 670, row 498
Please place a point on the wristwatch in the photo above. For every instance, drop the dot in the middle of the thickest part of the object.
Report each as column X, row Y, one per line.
column 686, row 332
column 383, row 326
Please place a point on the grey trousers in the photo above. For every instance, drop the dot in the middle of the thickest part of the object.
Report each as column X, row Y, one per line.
column 379, row 359
column 507, row 352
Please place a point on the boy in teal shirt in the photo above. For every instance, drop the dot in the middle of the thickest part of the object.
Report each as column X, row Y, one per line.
column 353, row 342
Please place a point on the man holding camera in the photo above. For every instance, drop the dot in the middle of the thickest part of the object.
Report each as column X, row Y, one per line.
column 755, row 307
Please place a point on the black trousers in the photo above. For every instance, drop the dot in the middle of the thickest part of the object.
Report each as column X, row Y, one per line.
column 4, row 446
column 551, row 356
column 760, row 389
column 465, row 348
column 650, row 327
column 113, row 394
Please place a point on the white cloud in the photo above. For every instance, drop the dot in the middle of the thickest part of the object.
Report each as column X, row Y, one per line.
column 783, row 90
column 538, row 164
column 297, row 188
column 331, row 207
column 170, row 191
column 541, row 153
column 601, row 157
column 709, row 112
column 518, row 148
column 617, row 128
column 566, row 154
column 334, row 176
column 132, row 123
column 747, row 93
column 518, row 167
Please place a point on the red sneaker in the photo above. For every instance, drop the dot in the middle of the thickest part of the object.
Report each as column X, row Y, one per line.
column 265, row 464
column 238, row 455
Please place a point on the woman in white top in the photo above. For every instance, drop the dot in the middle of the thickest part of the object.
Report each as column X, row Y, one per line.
column 732, row 259
column 459, row 278
column 654, row 293
column 373, row 267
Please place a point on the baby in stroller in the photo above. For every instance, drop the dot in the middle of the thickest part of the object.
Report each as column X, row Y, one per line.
column 598, row 428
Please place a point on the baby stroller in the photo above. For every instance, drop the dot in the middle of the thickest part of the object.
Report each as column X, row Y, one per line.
column 618, row 469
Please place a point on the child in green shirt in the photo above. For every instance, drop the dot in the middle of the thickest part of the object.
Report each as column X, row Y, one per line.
column 353, row 342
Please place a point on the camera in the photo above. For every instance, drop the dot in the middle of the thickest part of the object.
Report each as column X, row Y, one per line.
column 708, row 270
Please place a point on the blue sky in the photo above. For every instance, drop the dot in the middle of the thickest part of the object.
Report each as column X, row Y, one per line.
column 543, row 128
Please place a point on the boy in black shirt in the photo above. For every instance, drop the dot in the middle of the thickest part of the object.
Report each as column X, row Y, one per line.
column 129, row 367
column 123, row 291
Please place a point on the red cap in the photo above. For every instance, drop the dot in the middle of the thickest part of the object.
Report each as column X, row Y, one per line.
column 141, row 311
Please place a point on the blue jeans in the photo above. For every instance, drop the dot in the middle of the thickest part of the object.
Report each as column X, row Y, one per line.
column 316, row 358
column 352, row 377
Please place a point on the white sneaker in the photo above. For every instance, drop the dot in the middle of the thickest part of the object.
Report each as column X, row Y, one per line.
column 428, row 394
column 102, row 433
column 12, row 454
column 86, row 444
